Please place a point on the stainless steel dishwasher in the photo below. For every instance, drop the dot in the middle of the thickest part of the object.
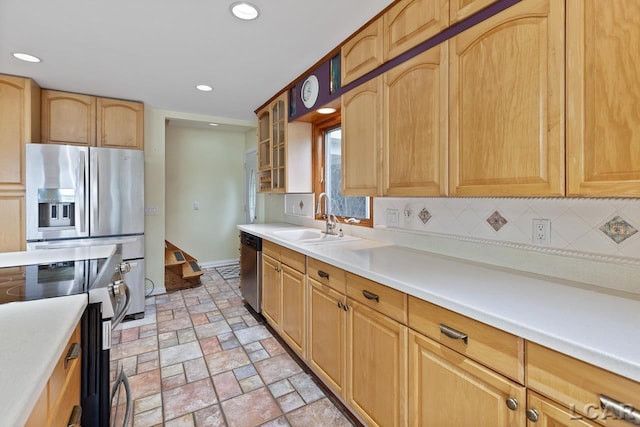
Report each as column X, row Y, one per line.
column 250, row 269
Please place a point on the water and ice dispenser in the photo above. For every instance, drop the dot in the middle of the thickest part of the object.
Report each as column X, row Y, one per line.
column 56, row 207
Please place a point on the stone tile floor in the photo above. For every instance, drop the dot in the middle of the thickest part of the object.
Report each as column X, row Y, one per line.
column 199, row 358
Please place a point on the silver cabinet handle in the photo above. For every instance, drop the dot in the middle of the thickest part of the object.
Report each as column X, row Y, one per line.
column 512, row 403
column 454, row 334
column 620, row 410
column 75, row 417
column 340, row 305
column 370, row 295
column 532, row 415
column 73, row 353
column 323, row 274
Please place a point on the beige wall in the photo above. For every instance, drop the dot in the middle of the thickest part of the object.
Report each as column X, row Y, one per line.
column 155, row 202
column 206, row 167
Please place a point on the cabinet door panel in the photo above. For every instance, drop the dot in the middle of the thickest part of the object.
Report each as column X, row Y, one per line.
column 410, row 22
column 376, row 348
column 327, row 334
column 362, row 53
column 68, row 118
column 603, row 120
column 507, row 109
column 448, row 389
column 271, row 290
column 120, row 124
column 361, row 139
column 12, row 238
column 293, row 324
column 461, row 9
column 553, row 415
column 415, row 126
column 19, row 124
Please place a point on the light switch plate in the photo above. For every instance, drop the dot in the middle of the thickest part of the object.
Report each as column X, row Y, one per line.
column 393, row 218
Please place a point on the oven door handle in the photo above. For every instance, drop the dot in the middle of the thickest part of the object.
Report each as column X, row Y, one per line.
column 122, row 379
column 120, row 291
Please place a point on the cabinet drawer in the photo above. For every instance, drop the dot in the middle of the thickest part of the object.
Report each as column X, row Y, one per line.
column 381, row 298
column 492, row 347
column 63, row 370
column 271, row 249
column 293, row 259
column 579, row 385
column 329, row 275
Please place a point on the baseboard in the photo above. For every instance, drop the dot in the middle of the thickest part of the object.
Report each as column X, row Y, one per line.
column 210, row 264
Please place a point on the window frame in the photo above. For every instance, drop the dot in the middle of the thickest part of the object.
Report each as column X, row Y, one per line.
column 318, row 159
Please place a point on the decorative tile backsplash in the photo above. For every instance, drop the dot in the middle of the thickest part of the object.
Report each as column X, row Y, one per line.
column 300, row 204
column 600, row 226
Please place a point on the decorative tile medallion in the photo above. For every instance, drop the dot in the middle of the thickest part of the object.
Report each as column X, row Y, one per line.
column 301, row 205
column 424, row 215
column 496, row 221
column 618, row 229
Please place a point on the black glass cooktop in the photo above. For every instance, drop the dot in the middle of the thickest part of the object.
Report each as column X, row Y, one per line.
column 31, row 282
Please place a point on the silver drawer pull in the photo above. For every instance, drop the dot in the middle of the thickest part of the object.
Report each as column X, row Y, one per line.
column 620, row 410
column 76, row 415
column 73, row 353
column 453, row 334
column 371, row 295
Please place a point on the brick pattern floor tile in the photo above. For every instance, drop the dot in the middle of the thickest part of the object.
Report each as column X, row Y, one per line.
column 200, row 358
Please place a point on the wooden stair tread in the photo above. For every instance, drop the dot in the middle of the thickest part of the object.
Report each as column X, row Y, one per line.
column 181, row 269
column 191, row 269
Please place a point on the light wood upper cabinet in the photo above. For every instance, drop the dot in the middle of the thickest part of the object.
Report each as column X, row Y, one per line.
column 415, row 125
column 376, row 365
column 362, row 53
column 461, row 9
column 72, row 118
column 361, row 139
column 446, row 389
column 19, row 125
column 603, row 94
column 68, row 118
column 119, row 124
column 410, row 22
column 507, row 106
column 284, row 150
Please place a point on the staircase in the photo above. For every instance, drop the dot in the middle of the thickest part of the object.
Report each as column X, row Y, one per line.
column 181, row 270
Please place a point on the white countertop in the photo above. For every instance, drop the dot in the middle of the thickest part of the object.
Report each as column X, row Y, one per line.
column 33, row 336
column 596, row 327
column 10, row 259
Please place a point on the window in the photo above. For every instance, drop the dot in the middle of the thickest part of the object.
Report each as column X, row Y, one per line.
column 328, row 173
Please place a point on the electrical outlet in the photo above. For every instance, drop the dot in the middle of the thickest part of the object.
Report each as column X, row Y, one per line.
column 542, row 232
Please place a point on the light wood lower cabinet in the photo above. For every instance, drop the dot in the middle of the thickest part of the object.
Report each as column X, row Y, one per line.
column 376, row 366
column 59, row 402
column 271, row 290
column 543, row 412
column 284, row 294
column 327, row 334
column 447, row 389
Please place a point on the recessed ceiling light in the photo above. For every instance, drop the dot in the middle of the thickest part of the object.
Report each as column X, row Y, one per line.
column 26, row 57
column 204, row 88
column 326, row 110
column 245, row 11
column 213, row 124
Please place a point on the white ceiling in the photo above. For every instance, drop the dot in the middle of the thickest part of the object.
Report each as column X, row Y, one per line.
column 156, row 51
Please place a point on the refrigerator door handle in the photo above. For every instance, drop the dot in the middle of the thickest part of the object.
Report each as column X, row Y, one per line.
column 81, row 192
column 95, row 188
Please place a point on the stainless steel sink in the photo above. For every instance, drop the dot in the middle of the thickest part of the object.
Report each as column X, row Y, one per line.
column 311, row 236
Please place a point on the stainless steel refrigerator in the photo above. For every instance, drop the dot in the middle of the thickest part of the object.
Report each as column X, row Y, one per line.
column 82, row 196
